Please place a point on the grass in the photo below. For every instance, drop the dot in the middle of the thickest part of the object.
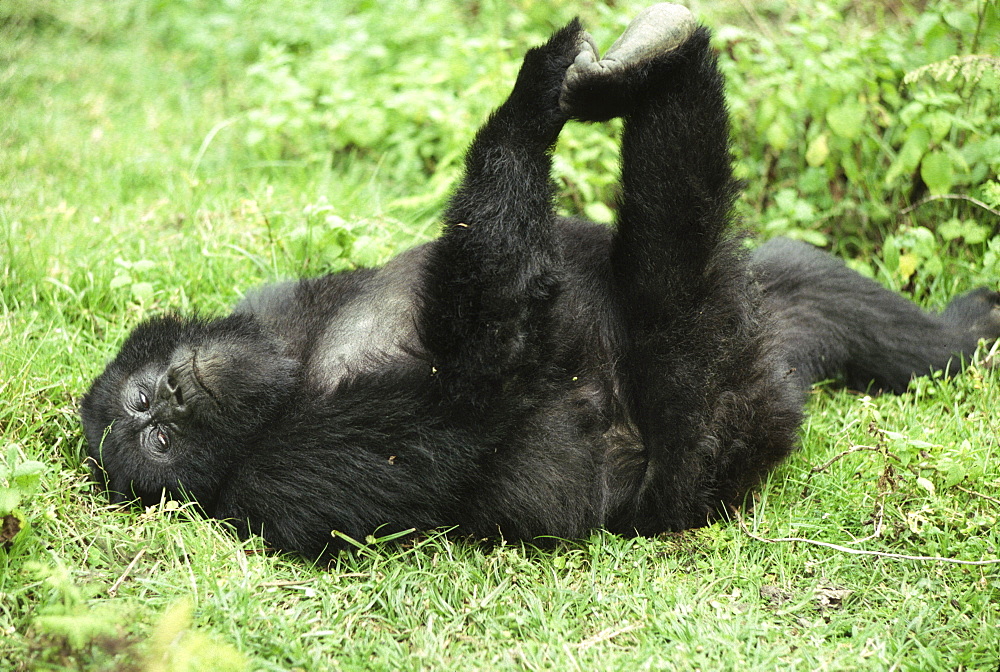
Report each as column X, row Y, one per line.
column 161, row 156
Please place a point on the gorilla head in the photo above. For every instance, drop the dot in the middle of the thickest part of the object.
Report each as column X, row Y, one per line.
column 179, row 399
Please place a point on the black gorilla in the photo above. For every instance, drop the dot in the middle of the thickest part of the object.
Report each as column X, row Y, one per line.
column 523, row 374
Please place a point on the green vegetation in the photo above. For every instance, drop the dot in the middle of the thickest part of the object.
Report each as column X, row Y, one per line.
column 164, row 155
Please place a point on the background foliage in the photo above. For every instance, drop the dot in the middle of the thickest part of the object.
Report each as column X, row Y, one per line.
column 169, row 154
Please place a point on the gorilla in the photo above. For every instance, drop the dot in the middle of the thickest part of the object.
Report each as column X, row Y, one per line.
column 524, row 375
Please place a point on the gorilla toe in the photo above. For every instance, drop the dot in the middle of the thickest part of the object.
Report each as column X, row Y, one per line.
column 597, row 89
column 655, row 31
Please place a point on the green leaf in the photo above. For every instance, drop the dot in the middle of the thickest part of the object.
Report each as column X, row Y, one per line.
column 846, row 120
column 890, row 254
column 9, row 500
column 937, row 172
column 955, row 473
column 939, row 123
column 778, row 135
column 961, row 21
column 925, row 484
column 951, row 229
column 367, row 251
column 27, row 475
column 78, row 629
column 142, row 292
column 908, row 265
column 925, row 23
column 120, row 281
column 851, row 168
column 975, row 233
column 29, row 468
column 598, row 212
column 817, row 238
column 908, row 158
column 818, row 151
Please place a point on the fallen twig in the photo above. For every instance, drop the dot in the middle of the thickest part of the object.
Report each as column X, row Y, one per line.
column 113, row 590
column 858, row 551
column 978, row 494
column 852, row 449
column 949, row 197
column 607, row 634
column 285, row 584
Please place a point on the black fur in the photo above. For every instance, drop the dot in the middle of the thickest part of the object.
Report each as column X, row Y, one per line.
column 523, row 374
column 835, row 323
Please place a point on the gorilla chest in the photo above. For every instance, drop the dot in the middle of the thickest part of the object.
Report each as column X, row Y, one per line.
column 362, row 336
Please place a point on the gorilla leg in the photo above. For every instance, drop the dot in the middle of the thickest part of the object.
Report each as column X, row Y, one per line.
column 491, row 278
column 835, row 322
column 702, row 375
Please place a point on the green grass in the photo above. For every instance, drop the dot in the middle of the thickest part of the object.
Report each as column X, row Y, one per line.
column 161, row 156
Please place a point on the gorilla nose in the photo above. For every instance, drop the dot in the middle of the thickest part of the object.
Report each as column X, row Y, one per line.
column 169, row 389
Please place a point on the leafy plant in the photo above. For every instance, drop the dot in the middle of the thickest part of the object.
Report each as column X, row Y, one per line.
column 861, row 129
column 339, row 243
column 19, row 480
column 128, row 274
column 176, row 646
column 64, row 619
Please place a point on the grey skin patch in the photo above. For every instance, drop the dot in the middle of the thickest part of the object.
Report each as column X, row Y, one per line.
column 373, row 327
column 656, row 30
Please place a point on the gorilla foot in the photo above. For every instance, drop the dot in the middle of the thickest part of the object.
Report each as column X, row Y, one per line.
column 977, row 312
column 656, row 31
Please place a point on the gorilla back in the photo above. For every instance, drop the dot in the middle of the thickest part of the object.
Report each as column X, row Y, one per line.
column 523, row 374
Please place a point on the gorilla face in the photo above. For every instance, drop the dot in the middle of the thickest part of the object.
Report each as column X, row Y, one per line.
column 180, row 398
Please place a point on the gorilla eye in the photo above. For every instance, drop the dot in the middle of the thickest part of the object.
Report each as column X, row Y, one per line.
column 143, row 404
column 162, row 439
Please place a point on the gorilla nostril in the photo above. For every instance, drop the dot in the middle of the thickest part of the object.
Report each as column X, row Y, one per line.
column 163, row 392
column 169, row 389
column 174, row 388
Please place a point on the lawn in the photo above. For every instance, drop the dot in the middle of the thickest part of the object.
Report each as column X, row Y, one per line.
column 161, row 155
